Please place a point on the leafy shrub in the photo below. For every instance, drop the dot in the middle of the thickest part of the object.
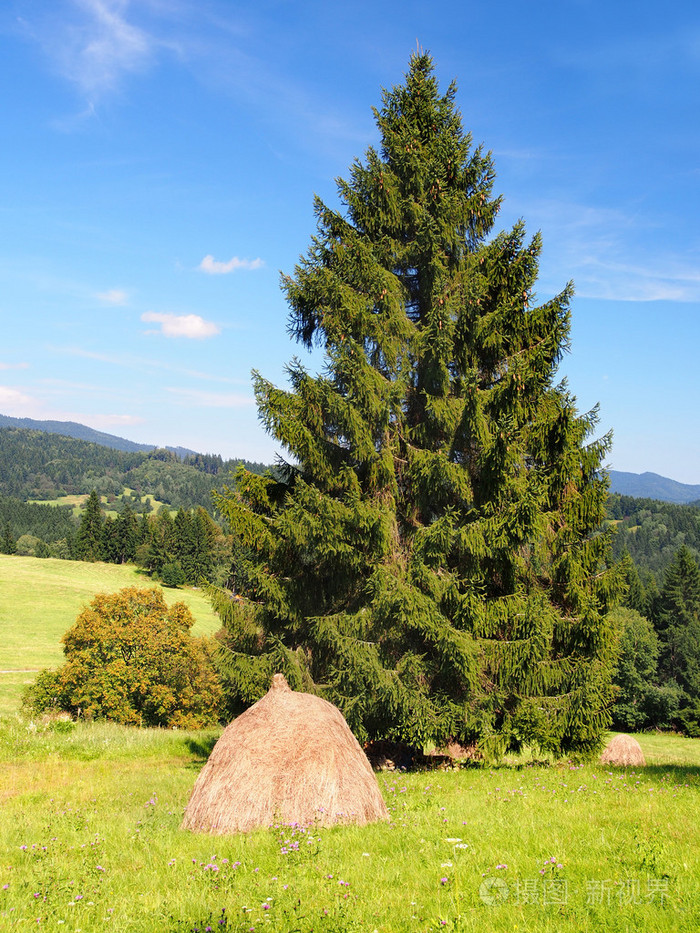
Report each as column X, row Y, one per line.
column 132, row 660
column 171, row 574
column 642, row 702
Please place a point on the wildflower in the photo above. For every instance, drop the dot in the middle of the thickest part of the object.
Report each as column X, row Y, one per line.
column 443, row 881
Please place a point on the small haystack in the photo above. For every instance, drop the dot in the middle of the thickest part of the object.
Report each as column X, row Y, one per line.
column 290, row 758
column 623, row 750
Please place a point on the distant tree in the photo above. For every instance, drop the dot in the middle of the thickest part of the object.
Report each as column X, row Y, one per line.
column 132, row 660
column 172, row 574
column 26, row 545
column 110, row 547
column 7, row 542
column 677, row 623
column 88, row 540
column 162, row 546
column 641, row 701
column 431, row 558
column 129, row 533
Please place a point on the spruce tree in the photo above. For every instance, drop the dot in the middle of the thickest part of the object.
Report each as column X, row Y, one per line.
column 429, row 557
column 678, row 626
column 88, row 539
column 7, row 541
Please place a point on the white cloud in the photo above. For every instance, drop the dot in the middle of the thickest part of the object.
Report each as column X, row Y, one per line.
column 96, row 52
column 115, row 296
column 606, row 251
column 216, row 267
column 191, row 326
column 213, row 399
column 16, row 404
column 13, row 365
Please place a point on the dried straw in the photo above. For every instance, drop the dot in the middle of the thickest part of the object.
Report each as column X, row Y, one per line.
column 290, row 758
column 623, row 750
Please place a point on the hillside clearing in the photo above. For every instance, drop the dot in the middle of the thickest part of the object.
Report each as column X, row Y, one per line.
column 40, row 599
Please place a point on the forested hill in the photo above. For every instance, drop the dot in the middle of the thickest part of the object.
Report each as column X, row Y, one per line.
column 653, row 531
column 82, row 432
column 40, row 465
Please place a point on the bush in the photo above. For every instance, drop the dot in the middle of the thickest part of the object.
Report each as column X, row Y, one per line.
column 171, row 574
column 132, row 660
column 641, row 701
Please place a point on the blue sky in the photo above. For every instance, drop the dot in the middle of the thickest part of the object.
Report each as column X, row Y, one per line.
column 158, row 160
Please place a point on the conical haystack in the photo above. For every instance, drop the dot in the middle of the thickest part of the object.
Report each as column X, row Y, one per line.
column 622, row 750
column 290, row 758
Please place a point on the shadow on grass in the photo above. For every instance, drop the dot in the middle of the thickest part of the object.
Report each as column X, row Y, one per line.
column 671, row 774
column 201, row 748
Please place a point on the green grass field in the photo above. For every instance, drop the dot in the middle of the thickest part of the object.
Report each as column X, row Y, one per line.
column 90, row 816
column 90, row 840
column 39, row 601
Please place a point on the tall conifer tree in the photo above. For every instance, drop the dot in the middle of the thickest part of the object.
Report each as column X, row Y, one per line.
column 429, row 558
column 88, row 539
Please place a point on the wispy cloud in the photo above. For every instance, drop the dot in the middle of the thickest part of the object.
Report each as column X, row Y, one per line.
column 607, row 253
column 200, row 399
column 191, row 326
column 94, row 44
column 16, row 404
column 140, row 363
column 115, row 296
column 13, row 365
column 215, row 267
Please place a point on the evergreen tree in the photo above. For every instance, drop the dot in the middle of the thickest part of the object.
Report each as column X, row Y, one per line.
column 205, row 533
column 429, row 558
column 7, row 541
column 128, row 526
column 111, row 545
column 88, row 539
column 677, row 622
column 185, row 545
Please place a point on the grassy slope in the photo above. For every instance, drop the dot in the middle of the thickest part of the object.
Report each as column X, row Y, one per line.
column 40, row 599
column 91, row 840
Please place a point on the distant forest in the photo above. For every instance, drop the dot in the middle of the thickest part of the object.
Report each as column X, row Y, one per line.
column 651, row 532
column 38, row 465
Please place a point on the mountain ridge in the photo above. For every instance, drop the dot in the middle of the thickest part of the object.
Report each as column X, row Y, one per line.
column 653, row 486
column 82, row 432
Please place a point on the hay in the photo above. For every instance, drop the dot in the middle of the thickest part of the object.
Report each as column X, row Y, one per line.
column 290, row 758
column 623, row 750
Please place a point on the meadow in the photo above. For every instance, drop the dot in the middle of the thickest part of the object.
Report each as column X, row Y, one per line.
column 90, row 816
column 39, row 601
column 90, row 840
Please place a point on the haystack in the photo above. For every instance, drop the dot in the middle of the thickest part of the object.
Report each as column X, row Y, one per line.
column 623, row 750
column 290, row 758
